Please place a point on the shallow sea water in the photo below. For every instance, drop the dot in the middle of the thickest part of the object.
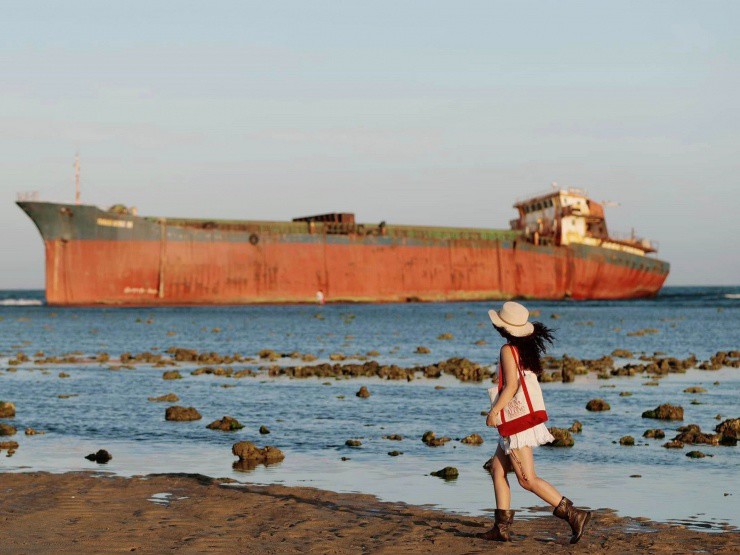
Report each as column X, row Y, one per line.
column 311, row 421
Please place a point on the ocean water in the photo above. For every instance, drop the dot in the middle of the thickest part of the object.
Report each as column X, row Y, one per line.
column 311, row 419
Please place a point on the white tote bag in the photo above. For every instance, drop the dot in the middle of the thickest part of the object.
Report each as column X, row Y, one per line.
column 526, row 409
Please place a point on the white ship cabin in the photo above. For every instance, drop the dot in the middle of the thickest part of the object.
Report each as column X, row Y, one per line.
column 566, row 216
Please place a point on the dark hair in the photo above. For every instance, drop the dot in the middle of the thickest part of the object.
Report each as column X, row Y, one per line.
column 531, row 347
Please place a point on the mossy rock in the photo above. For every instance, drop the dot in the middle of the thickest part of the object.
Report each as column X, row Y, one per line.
column 563, row 438
column 597, row 405
column 448, row 473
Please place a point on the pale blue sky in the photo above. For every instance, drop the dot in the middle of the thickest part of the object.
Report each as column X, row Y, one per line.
column 410, row 112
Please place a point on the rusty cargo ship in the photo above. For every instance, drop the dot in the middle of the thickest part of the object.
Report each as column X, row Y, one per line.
column 558, row 247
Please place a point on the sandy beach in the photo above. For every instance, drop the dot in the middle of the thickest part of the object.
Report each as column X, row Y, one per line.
column 94, row 513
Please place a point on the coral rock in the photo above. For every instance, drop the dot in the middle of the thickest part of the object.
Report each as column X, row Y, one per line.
column 226, row 424
column 101, row 457
column 596, row 405
column 247, row 451
column 665, row 412
column 167, row 398
column 472, row 439
column 7, row 409
column 181, row 414
column 448, row 473
column 563, row 438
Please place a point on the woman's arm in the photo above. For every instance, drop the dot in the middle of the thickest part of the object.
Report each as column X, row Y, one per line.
column 511, row 379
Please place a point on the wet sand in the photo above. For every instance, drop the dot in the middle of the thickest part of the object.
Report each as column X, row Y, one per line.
column 93, row 513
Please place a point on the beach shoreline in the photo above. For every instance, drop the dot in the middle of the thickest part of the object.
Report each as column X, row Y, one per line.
column 90, row 512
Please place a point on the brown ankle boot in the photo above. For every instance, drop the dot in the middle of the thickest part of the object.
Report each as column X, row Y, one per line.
column 500, row 530
column 577, row 518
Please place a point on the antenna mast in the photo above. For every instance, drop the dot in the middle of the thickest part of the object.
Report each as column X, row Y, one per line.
column 77, row 178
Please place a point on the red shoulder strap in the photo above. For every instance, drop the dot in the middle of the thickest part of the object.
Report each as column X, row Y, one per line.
column 522, row 381
column 515, row 354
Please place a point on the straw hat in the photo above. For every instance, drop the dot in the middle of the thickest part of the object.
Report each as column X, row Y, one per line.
column 514, row 318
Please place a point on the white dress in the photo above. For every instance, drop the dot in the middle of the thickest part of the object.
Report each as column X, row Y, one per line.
column 533, row 437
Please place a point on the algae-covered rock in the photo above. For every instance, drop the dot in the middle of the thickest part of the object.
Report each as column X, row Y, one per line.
column 627, row 440
column 181, row 414
column 430, row 439
column 472, row 439
column 665, row 412
column 167, row 398
column 248, row 451
column 693, row 435
column 101, row 456
column 675, row 444
column 7, row 409
column 448, row 473
column 226, row 424
column 654, row 433
column 597, row 405
column 729, row 428
column 576, row 427
column 363, row 392
column 695, row 389
column 563, row 438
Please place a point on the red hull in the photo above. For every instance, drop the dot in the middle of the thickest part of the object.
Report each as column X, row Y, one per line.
column 87, row 272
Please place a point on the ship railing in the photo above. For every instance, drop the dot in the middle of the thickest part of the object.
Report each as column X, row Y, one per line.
column 629, row 238
column 28, row 196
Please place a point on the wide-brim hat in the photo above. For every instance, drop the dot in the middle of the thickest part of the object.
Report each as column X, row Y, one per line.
column 514, row 318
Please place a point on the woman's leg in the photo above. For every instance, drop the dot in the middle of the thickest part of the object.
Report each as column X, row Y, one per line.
column 499, row 467
column 522, row 461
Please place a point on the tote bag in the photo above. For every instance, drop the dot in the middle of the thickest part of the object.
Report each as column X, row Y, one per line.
column 526, row 409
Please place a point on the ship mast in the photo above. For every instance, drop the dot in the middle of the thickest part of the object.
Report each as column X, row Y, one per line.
column 77, row 178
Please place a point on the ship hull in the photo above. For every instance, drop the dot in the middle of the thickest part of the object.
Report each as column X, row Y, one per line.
column 94, row 257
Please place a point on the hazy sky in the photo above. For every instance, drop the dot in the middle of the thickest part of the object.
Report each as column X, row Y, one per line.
column 411, row 112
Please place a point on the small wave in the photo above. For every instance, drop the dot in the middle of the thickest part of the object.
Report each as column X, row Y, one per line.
column 732, row 296
column 20, row 302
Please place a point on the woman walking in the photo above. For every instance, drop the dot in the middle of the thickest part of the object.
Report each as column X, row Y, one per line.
column 518, row 412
